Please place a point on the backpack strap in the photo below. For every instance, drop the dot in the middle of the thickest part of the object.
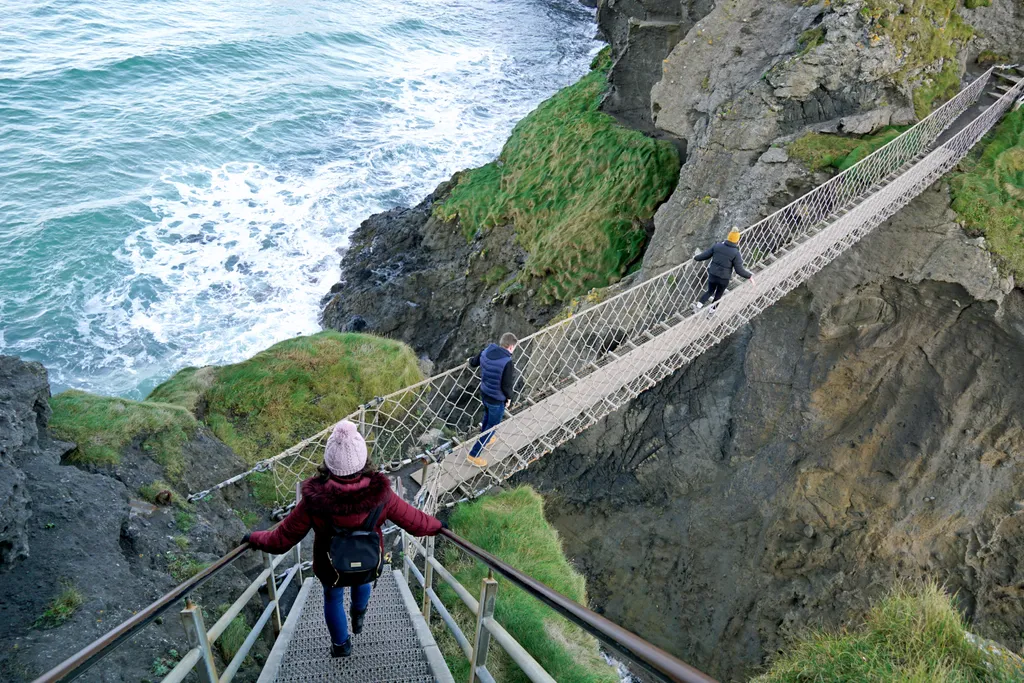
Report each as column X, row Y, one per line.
column 371, row 520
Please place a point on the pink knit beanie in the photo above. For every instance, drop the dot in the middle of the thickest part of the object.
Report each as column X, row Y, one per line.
column 345, row 453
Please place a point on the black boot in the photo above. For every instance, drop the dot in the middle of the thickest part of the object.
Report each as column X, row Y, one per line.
column 357, row 620
column 343, row 650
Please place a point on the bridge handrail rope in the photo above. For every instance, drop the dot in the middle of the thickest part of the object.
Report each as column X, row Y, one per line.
column 200, row 657
column 441, row 412
column 655, row 660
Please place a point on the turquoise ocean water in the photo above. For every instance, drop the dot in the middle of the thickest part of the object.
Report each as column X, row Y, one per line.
column 177, row 178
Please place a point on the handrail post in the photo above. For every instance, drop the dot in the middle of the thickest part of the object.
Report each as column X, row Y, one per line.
column 428, row 576
column 298, row 546
column 192, row 620
column 482, row 640
column 268, row 562
column 405, row 556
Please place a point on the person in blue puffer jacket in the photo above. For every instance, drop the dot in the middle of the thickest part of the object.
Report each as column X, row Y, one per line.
column 497, row 379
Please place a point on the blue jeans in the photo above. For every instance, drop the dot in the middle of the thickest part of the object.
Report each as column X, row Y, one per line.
column 334, row 609
column 493, row 412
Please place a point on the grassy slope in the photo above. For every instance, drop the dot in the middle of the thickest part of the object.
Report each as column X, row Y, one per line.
column 102, row 427
column 819, row 150
column 512, row 526
column 909, row 637
column 292, row 390
column 576, row 187
column 989, row 193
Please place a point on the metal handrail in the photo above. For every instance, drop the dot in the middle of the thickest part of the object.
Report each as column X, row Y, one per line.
column 651, row 657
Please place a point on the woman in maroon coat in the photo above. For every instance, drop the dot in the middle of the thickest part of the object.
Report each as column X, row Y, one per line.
column 344, row 494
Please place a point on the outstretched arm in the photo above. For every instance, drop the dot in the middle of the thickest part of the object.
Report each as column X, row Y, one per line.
column 416, row 522
column 292, row 530
column 740, row 270
column 705, row 255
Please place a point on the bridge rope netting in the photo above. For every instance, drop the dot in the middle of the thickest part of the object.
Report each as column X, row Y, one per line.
column 575, row 372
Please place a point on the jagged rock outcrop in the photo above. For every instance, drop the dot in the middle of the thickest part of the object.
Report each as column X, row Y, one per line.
column 65, row 526
column 23, row 411
column 868, row 427
column 642, row 33
column 413, row 277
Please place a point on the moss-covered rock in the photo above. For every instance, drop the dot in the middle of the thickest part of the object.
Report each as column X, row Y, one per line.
column 292, row 390
column 819, row 151
column 988, row 194
column 913, row 635
column 576, row 187
column 102, row 427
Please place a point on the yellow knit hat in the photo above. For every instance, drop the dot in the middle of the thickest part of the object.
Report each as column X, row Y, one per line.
column 734, row 236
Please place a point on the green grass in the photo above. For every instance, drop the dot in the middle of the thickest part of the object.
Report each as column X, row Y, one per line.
column 183, row 566
column 61, row 608
column 249, row 518
column 231, row 640
column 185, row 520
column 576, row 188
column 911, row 636
column 821, row 150
column 988, row 193
column 512, row 526
column 935, row 89
column 989, row 57
column 974, row 4
column 811, row 38
column 931, row 33
column 102, row 427
column 294, row 389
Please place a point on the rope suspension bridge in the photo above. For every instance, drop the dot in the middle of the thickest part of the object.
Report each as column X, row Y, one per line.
column 575, row 372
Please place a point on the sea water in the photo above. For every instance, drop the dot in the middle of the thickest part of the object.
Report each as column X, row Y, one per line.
column 178, row 178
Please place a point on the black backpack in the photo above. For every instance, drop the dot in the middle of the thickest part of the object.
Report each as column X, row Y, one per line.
column 355, row 553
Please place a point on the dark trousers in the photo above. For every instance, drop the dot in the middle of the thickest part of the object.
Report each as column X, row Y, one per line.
column 716, row 288
column 493, row 412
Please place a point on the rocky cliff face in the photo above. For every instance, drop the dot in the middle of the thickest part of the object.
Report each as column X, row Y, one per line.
column 866, row 428
column 410, row 276
column 63, row 526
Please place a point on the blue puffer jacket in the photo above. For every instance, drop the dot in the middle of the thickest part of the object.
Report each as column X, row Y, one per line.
column 725, row 257
column 496, row 373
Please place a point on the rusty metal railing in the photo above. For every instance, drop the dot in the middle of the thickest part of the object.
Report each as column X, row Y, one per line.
column 653, row 659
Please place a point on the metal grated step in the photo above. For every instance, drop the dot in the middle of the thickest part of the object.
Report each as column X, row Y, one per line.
column 387, row 651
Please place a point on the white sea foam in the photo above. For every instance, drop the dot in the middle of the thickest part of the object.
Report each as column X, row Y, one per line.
column 241, row 255
column 141, row 251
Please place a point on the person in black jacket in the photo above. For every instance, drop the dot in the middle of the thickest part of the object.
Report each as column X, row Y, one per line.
column 725, row 258
column 497, row 377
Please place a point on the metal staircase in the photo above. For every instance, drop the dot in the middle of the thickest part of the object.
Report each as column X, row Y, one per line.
column 396, row 645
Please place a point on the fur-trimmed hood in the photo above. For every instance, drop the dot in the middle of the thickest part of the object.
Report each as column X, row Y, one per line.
column 339, row 497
